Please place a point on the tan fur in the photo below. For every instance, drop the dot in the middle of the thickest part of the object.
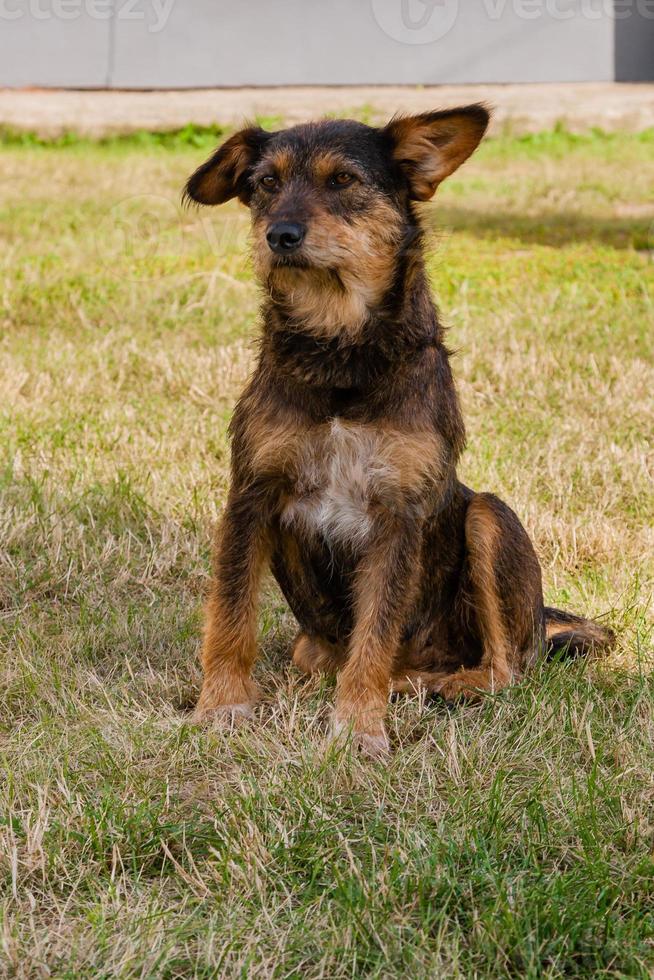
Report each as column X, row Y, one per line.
column 582, row 634
column 327, row 164
column 482, row 535
column 276, row 444
column 314, row 656
column 433, row 146
column 329, row 305
column 280, row 163
column 411, row 681
column 216, row 184
column 593, row 632
column 350, row 269
column 229, row 642
column 343, row 472
column 494, row 672
column 404, row 456
column 364, row 683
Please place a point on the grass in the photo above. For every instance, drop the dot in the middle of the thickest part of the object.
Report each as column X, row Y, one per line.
column 512, row 839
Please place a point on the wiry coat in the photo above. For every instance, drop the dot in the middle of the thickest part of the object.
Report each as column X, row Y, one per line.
column 346, row 440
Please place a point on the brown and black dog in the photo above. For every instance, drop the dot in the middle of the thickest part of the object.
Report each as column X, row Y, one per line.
column 346, row 439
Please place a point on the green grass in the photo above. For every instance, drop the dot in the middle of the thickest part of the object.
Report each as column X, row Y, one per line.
column 511, row 839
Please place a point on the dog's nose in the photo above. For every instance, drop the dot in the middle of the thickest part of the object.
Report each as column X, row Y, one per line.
column 285, row 237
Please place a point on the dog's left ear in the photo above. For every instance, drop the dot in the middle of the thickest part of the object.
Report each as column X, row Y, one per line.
column 431, row 146
column 226, row 173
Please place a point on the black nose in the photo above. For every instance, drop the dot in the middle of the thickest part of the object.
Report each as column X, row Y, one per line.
column 284, row 237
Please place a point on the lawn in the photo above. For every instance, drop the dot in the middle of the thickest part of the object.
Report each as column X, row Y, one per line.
column 510, row 839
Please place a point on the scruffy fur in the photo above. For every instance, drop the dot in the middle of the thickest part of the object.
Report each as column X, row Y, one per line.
column 346, row 439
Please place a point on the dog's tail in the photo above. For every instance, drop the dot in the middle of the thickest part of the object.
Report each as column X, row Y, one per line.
column 572, row 636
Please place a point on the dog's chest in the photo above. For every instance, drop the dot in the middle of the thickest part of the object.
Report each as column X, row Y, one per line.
column 340, row 473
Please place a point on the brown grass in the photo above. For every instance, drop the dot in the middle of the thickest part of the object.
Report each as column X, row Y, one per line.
column 510, row 839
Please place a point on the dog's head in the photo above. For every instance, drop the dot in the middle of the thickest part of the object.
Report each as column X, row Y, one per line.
column 331, row 202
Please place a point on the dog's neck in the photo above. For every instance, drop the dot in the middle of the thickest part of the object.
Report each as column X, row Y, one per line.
column 323, row 303
column 307, row 337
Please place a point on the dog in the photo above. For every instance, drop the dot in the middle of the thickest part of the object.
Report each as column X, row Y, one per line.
column 346, row 439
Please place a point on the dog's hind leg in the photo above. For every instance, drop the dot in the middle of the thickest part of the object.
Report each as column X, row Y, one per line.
column 423, row 667
column 411, row 681
column 313, row 655
column 505, row 599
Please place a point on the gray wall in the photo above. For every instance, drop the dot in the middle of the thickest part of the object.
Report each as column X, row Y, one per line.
column 195, row 43
column 634, row 48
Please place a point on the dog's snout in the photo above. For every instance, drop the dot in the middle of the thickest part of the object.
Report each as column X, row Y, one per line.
column 285, row 237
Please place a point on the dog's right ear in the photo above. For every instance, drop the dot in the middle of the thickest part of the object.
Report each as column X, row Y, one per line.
column 225, row 174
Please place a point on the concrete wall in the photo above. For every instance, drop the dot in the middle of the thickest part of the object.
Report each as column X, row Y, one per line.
column 196, row 43
column 49, row 50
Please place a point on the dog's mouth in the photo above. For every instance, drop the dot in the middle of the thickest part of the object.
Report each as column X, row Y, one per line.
column 293, row 261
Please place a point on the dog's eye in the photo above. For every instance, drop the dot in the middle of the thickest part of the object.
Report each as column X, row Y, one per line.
column 270, row 182
column 341, row 179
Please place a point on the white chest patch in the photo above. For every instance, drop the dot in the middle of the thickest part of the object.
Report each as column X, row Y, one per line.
column 337, row 481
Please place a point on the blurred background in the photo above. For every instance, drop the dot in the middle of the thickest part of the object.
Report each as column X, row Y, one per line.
column 101, row 67
column 146, row 44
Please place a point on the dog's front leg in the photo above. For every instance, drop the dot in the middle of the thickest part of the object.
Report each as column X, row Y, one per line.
column 229, row 646
column 385, row 584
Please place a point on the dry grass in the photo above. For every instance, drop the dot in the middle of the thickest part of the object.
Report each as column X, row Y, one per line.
column 511, row 839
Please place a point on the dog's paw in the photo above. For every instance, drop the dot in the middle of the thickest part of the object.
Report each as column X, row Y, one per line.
column 373, row 746
column 227, row 716
column 469, row 685
column 314, row 656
